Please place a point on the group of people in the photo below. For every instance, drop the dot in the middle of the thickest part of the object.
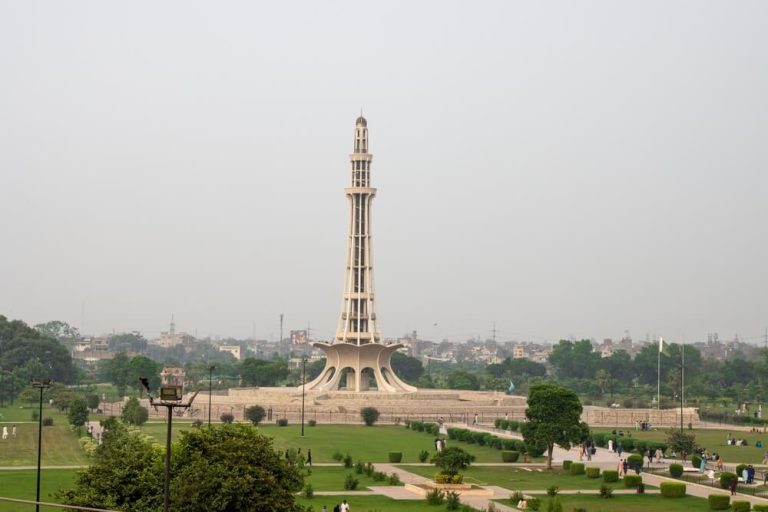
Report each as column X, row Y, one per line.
column 587, row 450
column 341, row 507
column 5, row 432
column 439, row 444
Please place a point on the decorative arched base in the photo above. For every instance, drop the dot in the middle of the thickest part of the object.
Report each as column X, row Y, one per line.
column 358, row 363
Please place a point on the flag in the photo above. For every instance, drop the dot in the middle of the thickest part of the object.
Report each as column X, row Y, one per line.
column 661, row 344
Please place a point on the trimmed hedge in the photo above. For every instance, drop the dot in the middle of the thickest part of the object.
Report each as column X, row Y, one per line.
column 635, row 462
column 672, row 489
column 577, row 468
column 740, row 469
column 676, row 470
column 632, row 481
column 510, row 455
column 567, row 465
column 593, row 472
column 725, row 478
column 695, row 461
column 740, row 506
column 719, row 501
column 610, row 475
column 395, row 457
column 760, row 508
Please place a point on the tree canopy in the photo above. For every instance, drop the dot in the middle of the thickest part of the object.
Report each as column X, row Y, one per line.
column 554, row 417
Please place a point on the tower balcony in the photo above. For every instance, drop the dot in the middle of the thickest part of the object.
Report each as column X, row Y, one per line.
column 350, row 191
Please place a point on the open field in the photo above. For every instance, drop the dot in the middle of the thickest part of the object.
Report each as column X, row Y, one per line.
column 627, row 503
column 331, row 478
column 371, row 503
column 712, row 440
column 60, row 447
column 21, row 485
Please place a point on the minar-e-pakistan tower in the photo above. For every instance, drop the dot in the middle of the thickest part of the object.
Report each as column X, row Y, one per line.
column 357, row 351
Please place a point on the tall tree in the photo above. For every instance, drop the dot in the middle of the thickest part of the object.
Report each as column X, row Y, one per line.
column 554, row 417
column 406, row 367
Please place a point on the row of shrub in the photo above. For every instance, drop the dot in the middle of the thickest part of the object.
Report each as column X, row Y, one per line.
column 492, row 441
column 627, row 443
column 503, row 424
column 723, row 502
column 421, row 426
column 609, row 475
column 725, row 417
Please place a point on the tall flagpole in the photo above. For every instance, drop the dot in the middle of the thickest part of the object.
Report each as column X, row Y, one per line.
column 682, row 381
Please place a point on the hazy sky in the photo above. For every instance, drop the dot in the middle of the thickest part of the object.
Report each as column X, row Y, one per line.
column 558, row 168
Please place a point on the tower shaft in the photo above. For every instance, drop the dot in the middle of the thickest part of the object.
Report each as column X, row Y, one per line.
column 358, row 323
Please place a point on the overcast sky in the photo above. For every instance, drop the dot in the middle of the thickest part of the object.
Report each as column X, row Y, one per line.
column 556, row 168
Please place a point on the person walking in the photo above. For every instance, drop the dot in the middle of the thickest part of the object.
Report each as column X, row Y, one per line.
column 5, row 432
column 620, row 467
column 13, row 432
column 344, row 506
column 732, row 486
column 309, row 457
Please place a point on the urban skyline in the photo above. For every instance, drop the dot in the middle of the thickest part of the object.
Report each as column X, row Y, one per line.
column 559, row 170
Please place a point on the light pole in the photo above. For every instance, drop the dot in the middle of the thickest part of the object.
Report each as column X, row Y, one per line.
column 303, row 382
column 210, row 387
column 170, row 398
column 41, row 385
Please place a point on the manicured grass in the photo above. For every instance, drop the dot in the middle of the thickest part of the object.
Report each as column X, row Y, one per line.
column 518, row 479
column 712, row 440
column 21, row 485
column 626, row 503
column 60, row 446
column 367, row 444
column 331, row 478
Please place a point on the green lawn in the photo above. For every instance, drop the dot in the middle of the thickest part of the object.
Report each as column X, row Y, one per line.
column 518, row 479
column 60, row 446
column 331, row 478
column 371, row 504
column 712, row 440
column 21, row 485
column 626, row 503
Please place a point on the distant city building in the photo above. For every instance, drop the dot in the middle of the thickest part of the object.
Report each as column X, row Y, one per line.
column 235, row 350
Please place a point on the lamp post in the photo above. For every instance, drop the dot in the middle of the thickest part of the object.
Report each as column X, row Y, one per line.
column 303, row 382
column 210, row 387
column 41, row 385
column 170, row 398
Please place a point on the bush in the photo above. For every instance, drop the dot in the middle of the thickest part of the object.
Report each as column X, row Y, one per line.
column 282, row 422
column 606, row 491
column 577, row 468
column 312, row 423
column 337, row 456
column 348, row 462
column 47, row 421
column 394, row 479
column 676, row 470
column 255, row 414
column 227, row 418
column 534, row 504
column 740, row 469
column 672, row 489
column 552, row 490
column 359, row 467
column 452, row 501
column 740, row 506
column 635, row 462
column 725, row 478
column 760, row 508
column 309, row 491
column 695, row 461
column 632, row 481
column 593, row 472
column 555, row 505
column 435, row 497
column 719, row 501
column 395, row 457
column 350, row 482
column 509, row 455
column 610, row 475
column 379, row 476
column 370, row 415
column 567, row 465
column 423, row 456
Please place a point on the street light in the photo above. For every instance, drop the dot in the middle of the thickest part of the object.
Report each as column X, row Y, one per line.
column 170, row 398
column 41, row 385
column 303, row 382
column 210, row 384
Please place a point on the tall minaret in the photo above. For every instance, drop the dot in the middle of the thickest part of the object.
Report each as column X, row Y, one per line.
column 358, row 322
column 357, row 357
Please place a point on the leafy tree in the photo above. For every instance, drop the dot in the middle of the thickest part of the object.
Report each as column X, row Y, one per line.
column 142, row 366
column 461, row 379
column 127, row 342
column 314, row 368
column 554, row 417
column 126, row 474
column 58, row 330
column 258, row 372
column 255, row 414
column 574, row 360
column 232, row 467
column 406, row 367
column 93, row 401
column 680, row 440
column 452, row 460
column 134, row 413
column 78, row 413
column 370, row 415
column 30, row 354
column 117, row 372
